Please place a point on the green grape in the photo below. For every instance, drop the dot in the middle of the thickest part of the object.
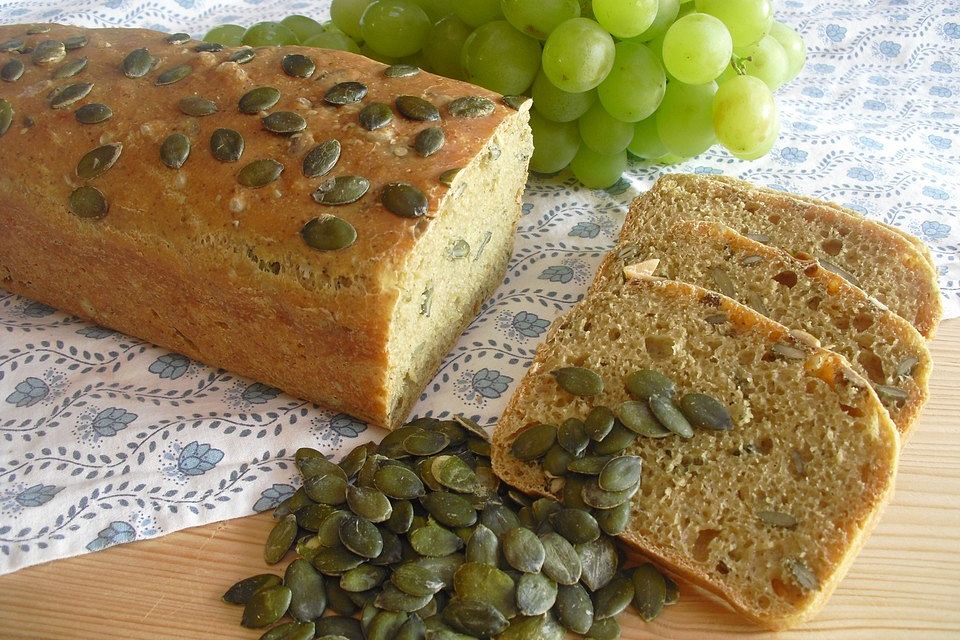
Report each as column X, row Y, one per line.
column 634, row 87
column 229, row 35
column 303, row 26
column 538, row 18
column 373, row 54
column 395, row 28
column 559, row 105
column 578, row 55
column 444, row 47
column 646, row 143
column 747, row 20
column 766, row 60
column 478, row 12
column 554, row 143
column 586, row 9
column 685, row 118
column 436, row 9
column 696, row 48
column 346, row 15
column 603, row 133
column 332, row 40
column 596, row 170
column 500, row 58
column 625, row 18
column 667, row 11
column 745, row 117
column 728, row 72
column 793, row 46
column 265, row 34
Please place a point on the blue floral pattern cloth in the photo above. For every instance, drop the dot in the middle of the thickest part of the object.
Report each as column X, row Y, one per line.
column 105, row 439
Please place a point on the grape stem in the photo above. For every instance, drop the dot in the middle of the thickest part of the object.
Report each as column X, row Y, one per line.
column 737, row 63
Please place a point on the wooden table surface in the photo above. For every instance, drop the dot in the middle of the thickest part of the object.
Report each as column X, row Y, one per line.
column 905, row 584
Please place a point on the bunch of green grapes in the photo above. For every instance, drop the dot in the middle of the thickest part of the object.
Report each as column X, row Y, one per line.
column 661, row 80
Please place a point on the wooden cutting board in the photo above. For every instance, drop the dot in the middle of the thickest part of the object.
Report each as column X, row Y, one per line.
column 905, row 584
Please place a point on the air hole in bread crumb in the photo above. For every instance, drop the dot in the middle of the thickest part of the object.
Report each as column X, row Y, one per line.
column 873, row 365
column 786, row 278
column 763, row 602
column 814, row 303
column 866, row 471
column 812, row 387
column 853, row 412
column 614, row 334
column 659, row 347
column 766, row 446
column 785, row 591
column 722, row 569
column 832, row 246
column 774, row 218
column 862, row 322
column 811, row 269
column 701, row 548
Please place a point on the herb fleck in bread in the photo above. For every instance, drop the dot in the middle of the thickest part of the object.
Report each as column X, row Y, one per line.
column 880, row 345
column 884, row 263
column 811, row 440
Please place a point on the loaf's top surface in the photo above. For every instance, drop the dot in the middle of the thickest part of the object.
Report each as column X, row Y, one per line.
column 203, row 201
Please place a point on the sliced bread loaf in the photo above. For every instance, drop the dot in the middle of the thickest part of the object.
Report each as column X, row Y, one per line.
column 883, row 263
column 880, row 345
column 767, row 515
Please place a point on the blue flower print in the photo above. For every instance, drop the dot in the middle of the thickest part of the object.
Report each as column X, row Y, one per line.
column 870, row 143
column 172, row 366
column 941, row 67
column 941, row 91
column 490, row 383
column 620, row 186
column 792, row 154
column 95, row 332
column 812, row 92
column 529, row 325
column 935, row 230
column 259, row 393
column 37, row 495
column 561, row 274
column 28, row 392
column 835, row 32
column 112, row 421
column 823, row 68
column 37, row 310
column 889, row 48
column 196, row 459
column 585, row 230
column 935, row 193
column 860, row 173
column 880, row 81
column 874, row 105
column 117, row 533
column 707, row 171
column 347, row 426
column 951, row 30
column 939, row 142
column 526, row 208
column 803, row 126
column 272, row 497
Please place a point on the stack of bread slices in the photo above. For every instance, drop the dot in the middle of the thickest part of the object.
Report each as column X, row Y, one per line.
column 808, row 323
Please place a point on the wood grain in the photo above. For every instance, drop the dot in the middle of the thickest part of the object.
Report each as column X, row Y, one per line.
column 906, row 582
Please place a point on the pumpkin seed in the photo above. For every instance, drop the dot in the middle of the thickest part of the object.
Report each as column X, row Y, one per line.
column 341, row 190
column 178, row 38
column 670, row 416
column 208, row 47
column 556, row 461
column 673, row 591
column 97, row 162
column 614, row 442
column 70, row 68
column 226, row 145
column 291, row 631
column 723, row 282
column 578, row 381
column 561, row 562
column 346, row 93
column 312, row 516
column 321, row 159
column 241, row 592
column 434, row 541
column 449, row 509
column 385, row 625
column 483, row 546
column 705, row 412
column 471, row 107
column 536, row 594
column 650, row 591
column 308, row 547
column 576, row 525
column 474, row 617
column 523, row 550
column 328, row 233
column 589, row 465
column 297, row 65
column 401, row 519
column 614, row 521
column 515, row 102
column 620, row 473
column 413, row 629
column 344, row 627
column 393, row 549
column 13, row 45
column 778, row 519
column 612, row 598
column 352, row 462
column 598, row 423
column 417, row 579
column 175, row 150
column 260, row 173
column 574, row 608
column 600, row 560
column 12, row 71
column 37, row 29
column 75, row 42
column 425, row 443
column 404, row 200
column 399, row 482
column 375, row 115
column 448, row 176
column 266, row 606
column 749, row 261
column 401, row 71
column 803, row 575
column 429, row 141
column 66, row 96
column 311, row 463
column 453, row 473
column 334, row 561
column 837, row 270
column 138, row 63
column 906, row 366
column 197, row 106
column 326, row 489
column 534, row 442
column 298, row 500
column 361, row 537
column 416, row 108
column 259, row 99
column 339, row 600
column 486, row 583
column 280, row 539
column 789, row 352
column 572, row 436
column 445, row 566
column 894, row 394
column 572, row 497
column 174, row 74
column 242, row 56
column 48, row 52
column 308, row 598
column 284, row 122
column 93, row 113
column 597, row 498
column 646, row 383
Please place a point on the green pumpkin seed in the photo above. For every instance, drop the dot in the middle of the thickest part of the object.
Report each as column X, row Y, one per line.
column 723, row 282
column 453, row 473
column 429, row 141
column 328, row 489
column 589, row 465
column 242, row 591
column 226, row 145
column 70, row 68
column 339, row 600
column 37, row 29
column 556, row 461
column 486, row 583
column 280, row 539
column 444, row 566
column 296, row 65
column 341, row 190
column 242, row 56
column 621, row 473
column 644, row 384
column 803, row 575
column 544, row 509
column 778, row 519
column 413, row 629
column 284, row 123
column 515, row 102
column 837, row 270
column 353, row 461
column 66, row 96
column 13, row 45
column 363, row 578
column 483, row 546
column 308, row 547
column 312, row 516
column 474, row 617
column 670, row 416
column 416, row 108
column 449, row 509
column 174, row 74
column 177, row 38
column 576, row 525
column 572, row 436
column 334, row 561
column 175, row 150
column 401, row 71
column 434, row 541
column 328, row 533
column 97, row 162
column 540, row 627
column 393, row 550
column 348, row 628
column 599, row 560
column 298, row 500
column 385, row 625
column 673, row 591
column 893, row 394
column 471, row 107
column 404, row 200
column 197, row 106
column 614, row 521
column 606, row 629
column 328, row 233
column 308, row 598
column 425, row 443
column 399, row 482
column 906, row 366
column 705, row 412
column 291, row 631
column 448, row 176
column 311, row 463
column 416, row 579
column 12, row 71
column 266, row 606
column 534, row 442
column 370, row 468
column 48, row 52
column 787, row 351
column 612, row 598
column 346, row 93
column 573, row 493
column 523, row 550
column 138, row 63
column 88, row 202
column 561, row 562
column 401, row 519
column 453, row 430
column 597, row 498
column 574, row 608
column 536, row 594
column 615, row 442
column 636, row 416
column 598, row 423
column 259, row 99
column 75, row 42
column 260, row 173
column 375, row 115
column 650, row 591
column 578, row 381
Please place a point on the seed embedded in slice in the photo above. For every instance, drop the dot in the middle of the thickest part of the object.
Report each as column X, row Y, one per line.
column 96, row 162
column 259, row 99
column 138, row 63
column 12, row 71
column 174, row 74
column 894, row 394
column 837, row 270
column 328, row 233
column 345, row 93
column 448, row 176
column 341, row 190
column 66, row 96
column 284, row 123
column 429, row 141
column 260, row 173
column 175, row 150
column 88, row 202
column 242, row 56
column 404, row 200
column 650, row 591
column 646, row 383
column 75, row 42
column 48, row 52
column 705, row 412
column 471, row 107
column 70, row 68
column 208, row 47
column 534, row 442
column 515, row 102
column 12, row 45
column 297, row 65
column 321, row 159
column 787, row 351
column 375, row 115
column 401, row 71
column 578, row 381
column 197, row 106
column 416, row 108
column 906, row 366
column 778, row 519
column 178, row 38
column 226, row 145
column 670, row 416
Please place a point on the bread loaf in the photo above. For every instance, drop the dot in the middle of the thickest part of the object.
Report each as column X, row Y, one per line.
column 292, row 214
column 767, row 515
column 880, row 345
column 884, row 263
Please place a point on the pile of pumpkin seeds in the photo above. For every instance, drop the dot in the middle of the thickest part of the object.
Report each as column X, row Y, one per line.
column 416, row 538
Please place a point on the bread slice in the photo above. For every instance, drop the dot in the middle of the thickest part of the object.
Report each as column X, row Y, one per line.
column 883, row 263
column 811, row 439
column 880, row 345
